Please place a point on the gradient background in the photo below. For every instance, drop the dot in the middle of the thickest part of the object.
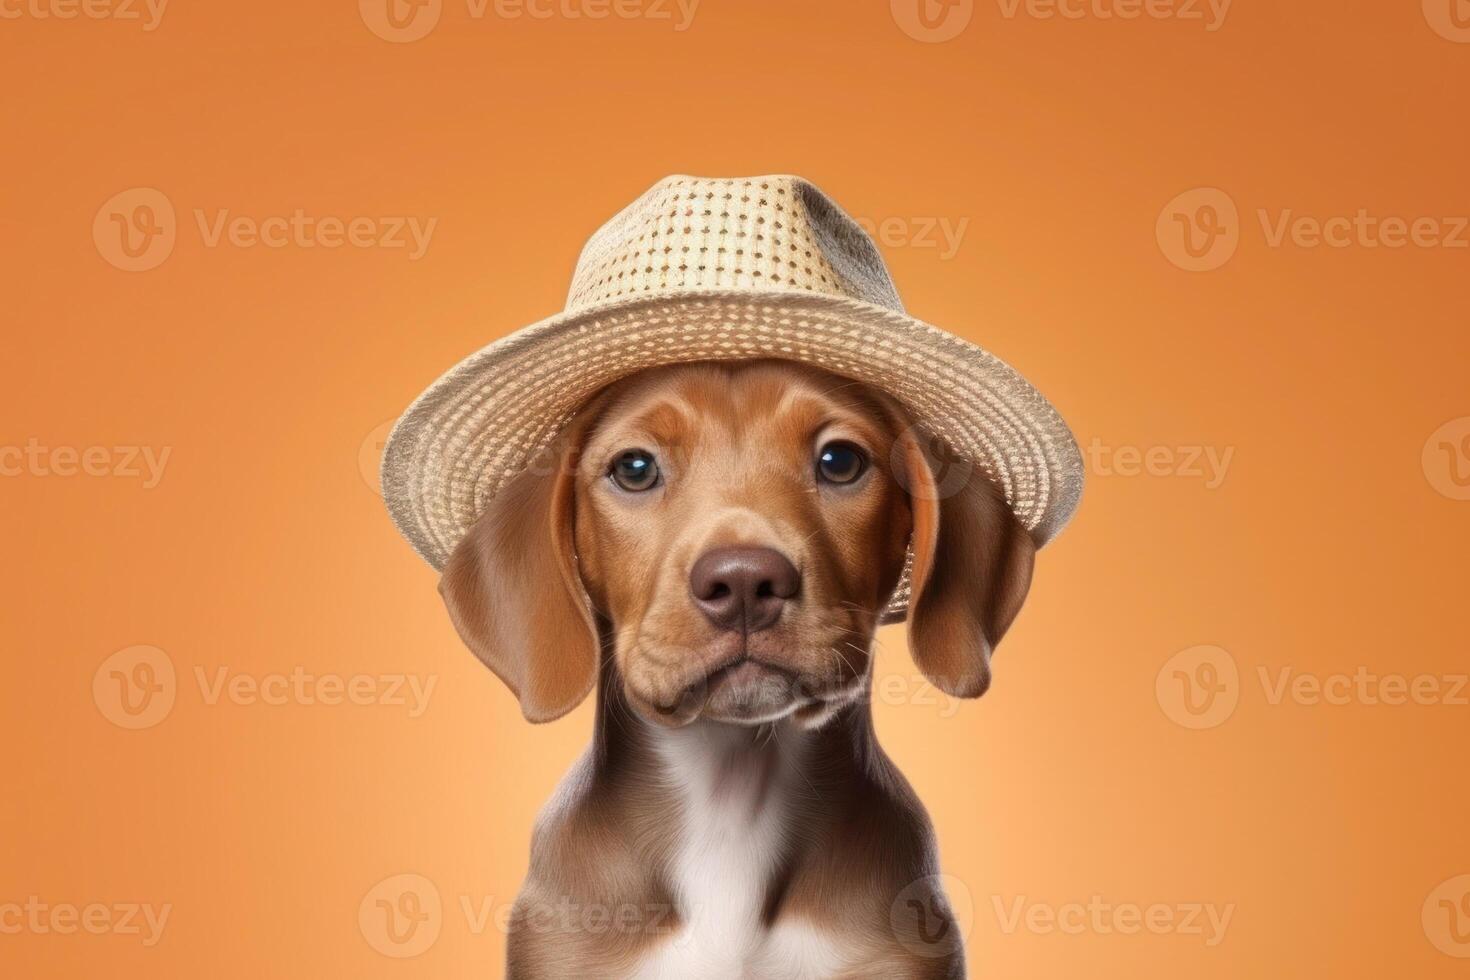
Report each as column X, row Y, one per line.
column 1336, row 540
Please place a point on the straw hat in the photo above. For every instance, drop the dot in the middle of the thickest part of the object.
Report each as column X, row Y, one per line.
column 704, row 269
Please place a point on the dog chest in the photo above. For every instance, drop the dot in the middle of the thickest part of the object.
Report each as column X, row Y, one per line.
column 732, row 830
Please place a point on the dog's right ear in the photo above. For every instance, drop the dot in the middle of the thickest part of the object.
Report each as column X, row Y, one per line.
column 971, row 569
column 512, row 589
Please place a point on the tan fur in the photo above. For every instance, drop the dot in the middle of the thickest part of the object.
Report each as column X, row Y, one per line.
column 737, row 447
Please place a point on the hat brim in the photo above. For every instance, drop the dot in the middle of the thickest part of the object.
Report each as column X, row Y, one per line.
column 484, row 420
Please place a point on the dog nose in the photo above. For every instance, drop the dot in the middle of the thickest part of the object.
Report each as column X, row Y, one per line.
column 743, row 588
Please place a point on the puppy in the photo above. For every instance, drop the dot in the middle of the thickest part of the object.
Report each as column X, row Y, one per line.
column 713, row 547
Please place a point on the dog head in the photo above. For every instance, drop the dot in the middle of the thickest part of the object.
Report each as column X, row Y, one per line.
column 727, row 537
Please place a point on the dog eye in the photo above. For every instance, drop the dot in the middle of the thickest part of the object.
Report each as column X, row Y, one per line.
column 635, row 470
column 840, row 462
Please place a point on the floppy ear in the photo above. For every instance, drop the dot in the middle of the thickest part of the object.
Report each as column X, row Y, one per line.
column 513, row 593
column 971, row 569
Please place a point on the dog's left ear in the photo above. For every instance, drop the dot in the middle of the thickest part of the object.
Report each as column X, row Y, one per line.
column 971, row 569
column 514, row 595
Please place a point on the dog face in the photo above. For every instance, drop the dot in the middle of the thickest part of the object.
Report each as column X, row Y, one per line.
column 725, row 538
column 741, row 531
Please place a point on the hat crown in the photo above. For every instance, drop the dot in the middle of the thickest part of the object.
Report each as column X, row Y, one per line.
column 773, row 233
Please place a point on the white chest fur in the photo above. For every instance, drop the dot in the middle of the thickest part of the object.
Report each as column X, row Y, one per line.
column 734, row 827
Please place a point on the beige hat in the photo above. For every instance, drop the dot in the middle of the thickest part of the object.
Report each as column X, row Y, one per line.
column 702, row 269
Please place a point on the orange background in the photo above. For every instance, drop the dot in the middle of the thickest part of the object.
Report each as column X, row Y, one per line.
column 1326, row 548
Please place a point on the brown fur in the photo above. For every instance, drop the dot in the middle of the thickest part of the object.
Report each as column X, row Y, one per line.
column 564, row 570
